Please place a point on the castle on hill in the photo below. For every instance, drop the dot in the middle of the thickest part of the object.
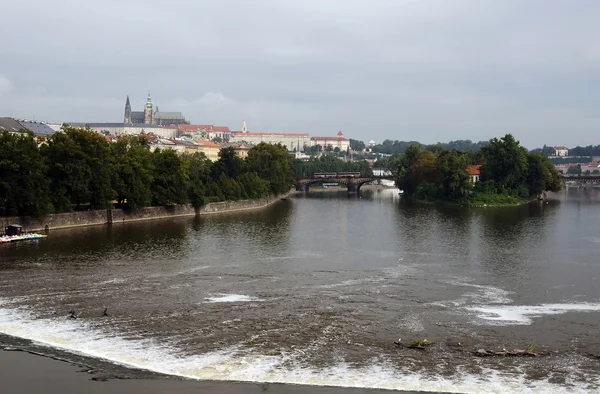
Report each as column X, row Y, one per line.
column 152, row 116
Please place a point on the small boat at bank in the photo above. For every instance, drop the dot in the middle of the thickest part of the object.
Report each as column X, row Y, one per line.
column 14, row 232
column 21, row 237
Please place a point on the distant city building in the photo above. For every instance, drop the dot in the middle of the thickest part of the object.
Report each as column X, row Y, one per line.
column 240, row 148
column 292, row 141
column 561, row 151
column 39, row 129
column 151, row 116
column 339, row 141
column 118, row 129
column 203, row 131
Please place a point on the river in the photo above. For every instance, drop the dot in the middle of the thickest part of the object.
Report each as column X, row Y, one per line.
column 315, row 289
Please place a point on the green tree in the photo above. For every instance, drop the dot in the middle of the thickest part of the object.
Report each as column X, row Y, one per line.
column 199, row 168
column 170, row 178
column 574, row 170
column 132, row 171
column 254, row 186
column 505, row 162
column 402, row 167
column 541, row 175
column 455, row 181
column 79, row 169
column 272, row 163
column 24, row 187
column 229, row 164
column 357, row 145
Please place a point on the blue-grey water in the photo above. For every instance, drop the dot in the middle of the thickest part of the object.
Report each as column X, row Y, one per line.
column 315, row 289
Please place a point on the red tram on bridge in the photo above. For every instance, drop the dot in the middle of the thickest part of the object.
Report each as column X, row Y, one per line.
column 336, row 175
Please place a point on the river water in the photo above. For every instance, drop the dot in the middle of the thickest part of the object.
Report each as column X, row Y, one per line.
column 315, row 289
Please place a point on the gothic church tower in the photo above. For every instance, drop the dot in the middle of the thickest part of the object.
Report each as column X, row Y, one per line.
column 127, row 118
column 148, row 111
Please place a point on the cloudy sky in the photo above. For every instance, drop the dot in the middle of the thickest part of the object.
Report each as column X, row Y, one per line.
column 427, row 70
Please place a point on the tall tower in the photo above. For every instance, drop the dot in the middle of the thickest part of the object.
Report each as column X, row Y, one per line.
column 127, row 118
column 244, row 130
column 148, row 111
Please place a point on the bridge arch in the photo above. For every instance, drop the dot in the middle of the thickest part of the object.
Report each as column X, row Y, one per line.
column 353, row 185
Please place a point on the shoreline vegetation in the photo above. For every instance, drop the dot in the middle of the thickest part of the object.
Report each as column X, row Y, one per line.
column 77, row 169
column 506, row 174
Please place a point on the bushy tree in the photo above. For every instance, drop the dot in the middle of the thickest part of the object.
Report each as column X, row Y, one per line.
column 24, row 187
column 170, row 178
column 199, row 168
column 456, row 183
column 505, row 162
column 79, row 168
column 272, row 163
column 132, row 171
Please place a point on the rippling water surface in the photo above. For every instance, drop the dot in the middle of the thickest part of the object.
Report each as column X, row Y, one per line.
column 315, row 289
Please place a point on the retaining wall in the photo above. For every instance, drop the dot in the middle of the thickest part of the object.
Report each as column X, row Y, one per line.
column 97, row 217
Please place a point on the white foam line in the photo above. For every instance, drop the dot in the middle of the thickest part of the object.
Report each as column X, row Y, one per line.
column 232, row 298
column 524, row 314
column 231, row 364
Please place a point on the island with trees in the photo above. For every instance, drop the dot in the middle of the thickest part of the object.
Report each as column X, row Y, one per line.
column 509, row 174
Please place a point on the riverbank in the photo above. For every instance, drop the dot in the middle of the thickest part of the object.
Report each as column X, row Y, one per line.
column 115, row 216
column 487, row 201
column 22, row 372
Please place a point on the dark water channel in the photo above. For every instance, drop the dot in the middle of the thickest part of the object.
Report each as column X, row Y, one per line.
column 315, row 289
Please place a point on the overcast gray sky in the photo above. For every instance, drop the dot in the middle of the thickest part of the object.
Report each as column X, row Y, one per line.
column 427, row 70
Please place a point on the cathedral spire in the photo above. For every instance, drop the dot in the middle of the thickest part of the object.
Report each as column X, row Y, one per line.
column 127, row 118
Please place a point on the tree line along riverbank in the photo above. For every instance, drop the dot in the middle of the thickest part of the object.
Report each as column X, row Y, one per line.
column 508, row 174
column 78, row 169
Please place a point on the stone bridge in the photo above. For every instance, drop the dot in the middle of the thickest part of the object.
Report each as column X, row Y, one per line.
column 353, row 184
column 580, row 179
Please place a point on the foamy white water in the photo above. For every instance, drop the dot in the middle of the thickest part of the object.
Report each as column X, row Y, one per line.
column 524, row 314
column 233, row 364
column 232, row 298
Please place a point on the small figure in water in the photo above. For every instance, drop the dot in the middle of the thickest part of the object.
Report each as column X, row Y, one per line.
column 72, row 314
column 105, row 312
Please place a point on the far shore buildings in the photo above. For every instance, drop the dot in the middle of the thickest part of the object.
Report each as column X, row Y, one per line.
column 561, row 151
column 339, row 141
column 151, row 115
column 39, row 129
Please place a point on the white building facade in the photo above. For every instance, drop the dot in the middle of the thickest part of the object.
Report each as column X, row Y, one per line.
column 292, row 141
column 339, row 141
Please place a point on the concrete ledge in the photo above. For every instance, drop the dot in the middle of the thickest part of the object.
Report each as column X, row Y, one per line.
column 115, row 216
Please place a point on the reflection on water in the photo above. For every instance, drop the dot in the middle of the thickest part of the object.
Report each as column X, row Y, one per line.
column 314, row 290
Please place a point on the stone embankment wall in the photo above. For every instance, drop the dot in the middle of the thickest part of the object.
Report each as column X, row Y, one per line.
column 91, row 218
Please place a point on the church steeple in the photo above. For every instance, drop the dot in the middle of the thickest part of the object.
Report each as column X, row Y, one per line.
column 149, row 111
column 127, row 118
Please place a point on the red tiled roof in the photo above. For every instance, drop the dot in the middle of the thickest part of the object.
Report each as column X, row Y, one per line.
column 194, row 127
column 473, row 169
column 329, row 138
column 257, row 134
column 560, row 148
column 207, row 143
column 340, row 134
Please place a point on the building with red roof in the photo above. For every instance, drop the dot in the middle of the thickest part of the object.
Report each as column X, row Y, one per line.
column 474, row 172
column 292, row 141
column 339, row 141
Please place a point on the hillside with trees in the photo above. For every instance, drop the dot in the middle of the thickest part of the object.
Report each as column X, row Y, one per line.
column 394, row 147
column 509, row 174
column 79, row 169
